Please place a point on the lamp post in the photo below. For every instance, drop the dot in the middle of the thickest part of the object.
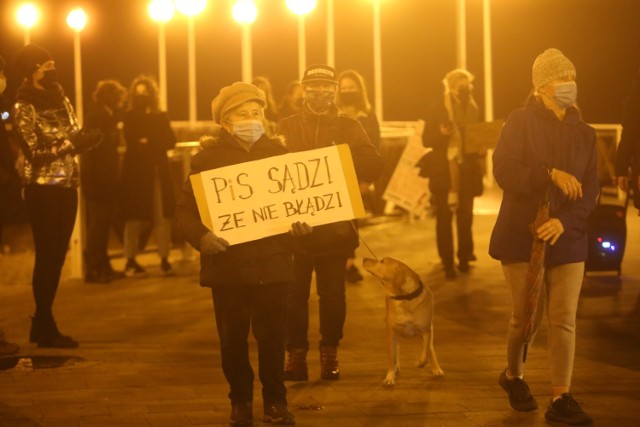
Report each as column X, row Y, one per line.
column 331, row 38
column 77, row 19
column 191, row 8
column 301, row 8
column 461, row 31
column 377, row 59
column 488, row 61
column 27, row 16
column 245, row 13
column 161, row 11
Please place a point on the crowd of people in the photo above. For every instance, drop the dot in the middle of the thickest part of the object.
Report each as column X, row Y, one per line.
column 545, row 159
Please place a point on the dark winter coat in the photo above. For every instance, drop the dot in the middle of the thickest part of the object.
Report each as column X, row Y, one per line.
column 99, row 173
column 307, row 131
column 532, row 142
column 264, row 261
column 628, row 151
column 142, row 161
column 435, row 165
column 10, row 185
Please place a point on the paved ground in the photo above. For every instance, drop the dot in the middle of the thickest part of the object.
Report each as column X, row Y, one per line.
column 149, row 352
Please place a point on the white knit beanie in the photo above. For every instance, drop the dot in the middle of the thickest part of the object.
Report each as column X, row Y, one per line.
column 549, row 66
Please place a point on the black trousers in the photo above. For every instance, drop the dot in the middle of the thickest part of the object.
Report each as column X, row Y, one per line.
column 330, row 278
column 52, row 213
column 99, row 220
column 263, row 309
column 444, row 229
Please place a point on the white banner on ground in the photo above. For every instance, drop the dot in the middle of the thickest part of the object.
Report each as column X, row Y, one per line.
column 262, row 198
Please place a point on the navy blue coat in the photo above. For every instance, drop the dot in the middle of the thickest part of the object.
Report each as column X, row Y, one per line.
column 532, row 142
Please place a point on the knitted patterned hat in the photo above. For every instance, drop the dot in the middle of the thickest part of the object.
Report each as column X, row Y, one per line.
column 550, row 65
column 233, row 96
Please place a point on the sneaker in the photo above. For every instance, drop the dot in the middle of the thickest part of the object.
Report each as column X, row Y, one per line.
column 278, row 414
column 567, row 410
column 133, row 269
column 166, row 267
column 352, row 275
column 242, row 414
column 520, row 397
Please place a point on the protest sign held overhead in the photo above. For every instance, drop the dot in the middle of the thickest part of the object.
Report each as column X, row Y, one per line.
column 262, row 198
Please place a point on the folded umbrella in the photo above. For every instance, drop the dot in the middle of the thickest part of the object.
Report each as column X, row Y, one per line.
column 535, row 276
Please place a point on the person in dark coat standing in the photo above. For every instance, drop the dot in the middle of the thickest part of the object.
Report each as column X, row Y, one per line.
column 628, row 151
column 9, row 187
column 99, row 178
column 546, row 152
column 147, row 190
column 454, row 172
column 249, row 280
column 319, row 125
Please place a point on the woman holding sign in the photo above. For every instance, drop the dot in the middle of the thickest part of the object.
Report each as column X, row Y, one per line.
column 248, row 280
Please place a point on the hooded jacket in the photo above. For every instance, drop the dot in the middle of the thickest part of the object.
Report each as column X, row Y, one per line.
column 307, row 131
column 263, row 261
column 532, row 142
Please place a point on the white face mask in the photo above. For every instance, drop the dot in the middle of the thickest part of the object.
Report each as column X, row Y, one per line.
column 3, row 85
column 565, row 94
column 248, row 130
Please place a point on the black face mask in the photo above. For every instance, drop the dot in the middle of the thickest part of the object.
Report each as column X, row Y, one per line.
column 464, row 93
column 320, row 102
column 349, row 98
column 49, row 79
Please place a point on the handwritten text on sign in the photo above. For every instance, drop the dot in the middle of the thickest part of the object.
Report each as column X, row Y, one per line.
column 261, row 198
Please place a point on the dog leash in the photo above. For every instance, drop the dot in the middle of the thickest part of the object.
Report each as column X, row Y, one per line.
column 363, row 241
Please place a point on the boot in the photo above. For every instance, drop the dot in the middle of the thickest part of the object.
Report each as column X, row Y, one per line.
column 296, row 369
column 45, row 333
column 329, row 363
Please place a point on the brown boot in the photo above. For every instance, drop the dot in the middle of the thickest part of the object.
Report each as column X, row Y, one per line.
column 296, row 369
column 329, row 363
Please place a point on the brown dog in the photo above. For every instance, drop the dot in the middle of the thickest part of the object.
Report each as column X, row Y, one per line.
column 409, row 312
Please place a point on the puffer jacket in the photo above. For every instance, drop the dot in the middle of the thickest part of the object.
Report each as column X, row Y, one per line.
column 43, row 120
column 532, row 142
column 307, row 131
column 260, row 262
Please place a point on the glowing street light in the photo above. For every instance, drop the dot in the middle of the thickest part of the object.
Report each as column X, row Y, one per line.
column 301, row 8
column 191, row 8
column 77, row 20
column 27, row 16
column 377, row 59
column 162, row 11
column 245, row 13
column 461, row 30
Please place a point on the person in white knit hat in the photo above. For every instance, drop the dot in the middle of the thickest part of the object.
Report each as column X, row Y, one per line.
column 545, row 153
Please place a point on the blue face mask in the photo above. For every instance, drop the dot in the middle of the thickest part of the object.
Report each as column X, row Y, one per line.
column 565, row 94
column 248, row 130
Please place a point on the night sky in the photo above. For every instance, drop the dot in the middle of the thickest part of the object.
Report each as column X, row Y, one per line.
column 602, row 38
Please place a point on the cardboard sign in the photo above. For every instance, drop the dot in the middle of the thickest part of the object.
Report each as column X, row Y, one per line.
column 406, row 187
column 482, row 136
column 262, row 198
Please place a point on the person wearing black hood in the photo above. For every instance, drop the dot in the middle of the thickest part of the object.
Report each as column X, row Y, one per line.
column 319, row 125
column 99, row 176
column 8, row 193
column 628, row 151
column 45, row 125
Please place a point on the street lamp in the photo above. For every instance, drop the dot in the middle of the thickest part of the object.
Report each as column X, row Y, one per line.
column 377, row 59
column 77, row 19
column 27, row 16
column 301, row 8
column 461, row 30
column 191, row 8
column 161, row 11
column 245, row 13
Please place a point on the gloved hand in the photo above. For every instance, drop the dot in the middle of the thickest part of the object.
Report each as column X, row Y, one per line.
column 86, row 139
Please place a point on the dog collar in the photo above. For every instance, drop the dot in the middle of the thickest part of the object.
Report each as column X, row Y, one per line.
column 412, row 295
